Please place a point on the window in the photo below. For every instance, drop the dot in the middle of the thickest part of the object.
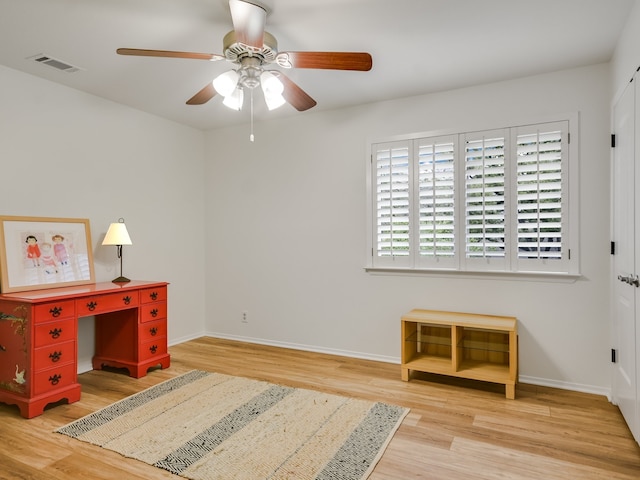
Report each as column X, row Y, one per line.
column 496, row 200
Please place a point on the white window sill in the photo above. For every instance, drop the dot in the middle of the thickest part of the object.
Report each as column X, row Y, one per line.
column 478, row 275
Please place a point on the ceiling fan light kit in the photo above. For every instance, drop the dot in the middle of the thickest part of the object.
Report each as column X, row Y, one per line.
column 249, row 75
column 250, row 48
column 235, row 99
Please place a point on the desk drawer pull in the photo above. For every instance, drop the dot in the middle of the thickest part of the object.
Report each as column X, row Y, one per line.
column 92, row 306
column 153, row 295
column 55, row 356
column 55, row 311
column 55, row 379
column 55, row 333
column 153, row 348
column 153, row 331
column 154, row 312
column 127, row 300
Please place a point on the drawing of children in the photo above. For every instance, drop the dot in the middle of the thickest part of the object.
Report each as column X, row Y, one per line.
column 59, row 250
column 49, row 262
column 33, row 250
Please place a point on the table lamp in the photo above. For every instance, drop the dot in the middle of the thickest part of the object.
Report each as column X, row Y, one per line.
column 117, row 235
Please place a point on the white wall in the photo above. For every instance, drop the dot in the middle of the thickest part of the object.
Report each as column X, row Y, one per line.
column 626, row 59
column 64, row 153
column 285, row 221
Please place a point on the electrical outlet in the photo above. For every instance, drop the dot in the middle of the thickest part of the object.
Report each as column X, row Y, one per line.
column 245, row 318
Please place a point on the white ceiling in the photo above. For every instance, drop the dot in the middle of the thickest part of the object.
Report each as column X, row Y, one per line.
column 418, row 46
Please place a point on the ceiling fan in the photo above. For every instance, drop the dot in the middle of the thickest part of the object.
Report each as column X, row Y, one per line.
column 252, row 50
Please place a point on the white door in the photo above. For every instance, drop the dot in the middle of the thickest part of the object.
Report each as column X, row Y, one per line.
column 624, row 290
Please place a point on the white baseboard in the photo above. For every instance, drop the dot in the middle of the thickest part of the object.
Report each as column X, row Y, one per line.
column 186, row 338
column 576, row 387
column 84, row 367
column 543, row 382
column 307, row 348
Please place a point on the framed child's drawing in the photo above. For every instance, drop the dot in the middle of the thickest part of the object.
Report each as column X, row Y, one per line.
column 40, row 252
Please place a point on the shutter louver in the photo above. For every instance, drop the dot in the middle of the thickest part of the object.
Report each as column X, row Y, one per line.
column 392, row 201
column 539, row 195
column 436, row 216
column 484, row 170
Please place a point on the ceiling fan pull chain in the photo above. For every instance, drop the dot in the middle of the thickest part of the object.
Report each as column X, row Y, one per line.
column 251, row 136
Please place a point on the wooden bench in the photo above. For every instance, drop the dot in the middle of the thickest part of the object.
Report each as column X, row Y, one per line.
column 466, row 345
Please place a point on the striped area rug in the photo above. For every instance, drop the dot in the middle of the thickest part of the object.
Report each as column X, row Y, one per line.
column 204, row 425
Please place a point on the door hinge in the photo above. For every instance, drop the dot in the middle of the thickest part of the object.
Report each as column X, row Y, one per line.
column 613, row 248
column 613, row 140
column 613, row 355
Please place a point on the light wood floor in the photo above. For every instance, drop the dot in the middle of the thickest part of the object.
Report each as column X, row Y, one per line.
column 455, row 430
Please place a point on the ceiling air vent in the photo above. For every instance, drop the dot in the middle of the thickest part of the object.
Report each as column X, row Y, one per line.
column 55, row 63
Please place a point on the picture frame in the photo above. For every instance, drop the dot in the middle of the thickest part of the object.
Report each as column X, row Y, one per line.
column 42, row 252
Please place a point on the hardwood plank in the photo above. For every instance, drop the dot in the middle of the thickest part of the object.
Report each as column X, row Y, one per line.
column 456, row 428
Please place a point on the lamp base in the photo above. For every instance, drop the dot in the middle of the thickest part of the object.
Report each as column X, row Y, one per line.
column 120, row 280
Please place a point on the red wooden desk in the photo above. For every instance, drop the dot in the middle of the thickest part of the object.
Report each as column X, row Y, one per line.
column 39, row 338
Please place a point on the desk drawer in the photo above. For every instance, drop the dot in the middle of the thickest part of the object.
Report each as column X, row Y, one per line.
column 149, row 331
column 54, row 355
column 157, row 294
column 153, row 311
column 106, row 303
column 55, row 333
column 148, row 350
column 53, row 378
column 54, row 311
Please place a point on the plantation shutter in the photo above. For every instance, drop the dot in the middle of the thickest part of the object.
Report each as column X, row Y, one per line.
column 484, row 199
column 540, row 194
column 436, row 201
column 392, row 212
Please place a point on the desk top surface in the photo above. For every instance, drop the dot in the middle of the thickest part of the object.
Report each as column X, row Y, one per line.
column 79, row 291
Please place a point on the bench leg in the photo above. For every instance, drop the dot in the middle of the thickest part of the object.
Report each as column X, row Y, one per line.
column 510, row 391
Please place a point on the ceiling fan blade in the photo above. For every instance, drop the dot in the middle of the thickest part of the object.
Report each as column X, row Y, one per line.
column 248, row 22
column 169, row 53
column 294, row 95
column 203, row 96
column 328, row 60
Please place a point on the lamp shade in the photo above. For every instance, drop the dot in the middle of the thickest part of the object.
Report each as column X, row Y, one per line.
column 271, row 85
column 226, row 82
column 234, row 100
column 117, row 235
column 272, row 88
column 274, row 101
